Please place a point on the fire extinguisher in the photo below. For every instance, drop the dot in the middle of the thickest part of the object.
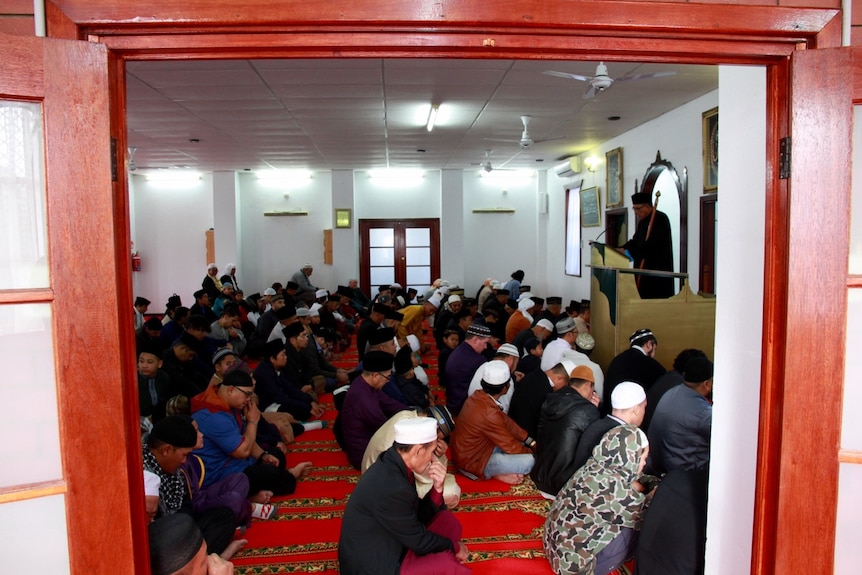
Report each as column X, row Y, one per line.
column 136, row 259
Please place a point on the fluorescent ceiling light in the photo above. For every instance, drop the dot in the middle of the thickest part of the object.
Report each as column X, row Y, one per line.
column 432, row 117
column 173, row 176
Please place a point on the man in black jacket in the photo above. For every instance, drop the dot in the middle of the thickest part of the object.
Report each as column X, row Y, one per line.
column 386, row 528
column 565, row 415
column 637, row 364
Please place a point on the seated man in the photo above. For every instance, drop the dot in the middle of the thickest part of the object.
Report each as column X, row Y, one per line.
column 580, row 355
column 386, row 527
column 298, row 368
column 185, row 375
column 487, row 443
column 229, row 421
column 305, row 289
column 150, row 333
column 203, row 306
column 565, row 415
column 463, row 363
column 141, row 306
column 508, row 354
column 532, row 359
column 168, row 445
column 177, row 547
column 530, row 394
column 277, row 393
column 629, row 405
column 417, row 394
column 682, row 424
column 366, row 408
column 174, row 328
column 154, row 385
column 227, row 328
column 385, row 437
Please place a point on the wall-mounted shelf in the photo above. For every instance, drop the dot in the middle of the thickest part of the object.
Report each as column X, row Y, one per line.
column 291, row 213
column 494, row 211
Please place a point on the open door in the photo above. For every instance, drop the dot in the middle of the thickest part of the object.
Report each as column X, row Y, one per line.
column 61, row 323
column 797, row 491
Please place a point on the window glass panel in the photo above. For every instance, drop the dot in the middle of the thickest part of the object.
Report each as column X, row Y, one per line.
column 848, row 552
column 419, row 276
column 35, row 540
column 382, row 256
column 30, row 396
column 381, row 238
column 856, row 195
column 417, row 236
column 418, row 256
column 23, row 253
column 380, row 276
column 851, row 432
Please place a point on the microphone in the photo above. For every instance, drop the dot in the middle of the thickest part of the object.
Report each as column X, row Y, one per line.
column 600, row 235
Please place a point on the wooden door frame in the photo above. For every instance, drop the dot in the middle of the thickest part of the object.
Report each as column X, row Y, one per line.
column 364, row 263
column 536, row 29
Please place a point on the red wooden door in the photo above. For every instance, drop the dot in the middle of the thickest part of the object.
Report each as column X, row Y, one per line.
column 65, row 406
column 403, row 251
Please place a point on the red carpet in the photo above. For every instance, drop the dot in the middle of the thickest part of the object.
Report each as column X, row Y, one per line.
column 502, row 524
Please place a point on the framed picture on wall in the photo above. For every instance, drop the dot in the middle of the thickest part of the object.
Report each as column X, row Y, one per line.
column 573, row 230
column 710, row 150
column 590, row 208
column 614, row 183
column 343, row 218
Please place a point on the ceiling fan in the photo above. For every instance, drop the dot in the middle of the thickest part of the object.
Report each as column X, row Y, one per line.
column 486, row 163
column 602, row 81
column 526, row 139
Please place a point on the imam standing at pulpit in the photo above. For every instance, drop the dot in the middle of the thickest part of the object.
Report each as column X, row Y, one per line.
column 651, row 247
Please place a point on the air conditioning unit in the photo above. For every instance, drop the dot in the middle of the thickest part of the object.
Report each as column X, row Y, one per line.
column 569, row 168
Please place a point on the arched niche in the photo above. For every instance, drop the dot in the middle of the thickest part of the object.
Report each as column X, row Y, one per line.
column 663, row 178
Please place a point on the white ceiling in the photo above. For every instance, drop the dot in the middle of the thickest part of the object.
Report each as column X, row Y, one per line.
column 364, row 113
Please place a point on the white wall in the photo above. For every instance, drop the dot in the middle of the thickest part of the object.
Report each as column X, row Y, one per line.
column 170, row 228
column 274, row 247
column 739, row 318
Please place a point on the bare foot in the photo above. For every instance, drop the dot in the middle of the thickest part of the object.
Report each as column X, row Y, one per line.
column 232, row 548
column 261, row 497
column 510, row 478
column 301, row 470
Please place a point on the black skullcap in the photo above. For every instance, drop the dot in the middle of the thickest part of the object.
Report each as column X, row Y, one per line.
column 698, row 370
column 501, row 291
column 380, row 308
column 153, row 324
column 641, row 198
column 381, row 335
column 531, row 344
column 237, row 377
column 142, row 301
column 150, row 347
column 396, row 315
column 345, row 291
column 538, row 300
column 334, row 297
column 293, row 330
column 199, row 294
column 404, row 360
column 174, row 542
column 174, row 301
column 377, row 361
column 176, row 430
column 292, row 285
column 286, row 312
column 186, row 339
column 512, row 303
column 445, row 423
column 641, row 336
column 273, row 348
column 554, row 300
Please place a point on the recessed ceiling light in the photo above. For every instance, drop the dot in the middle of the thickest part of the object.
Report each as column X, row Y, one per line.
column 613, row 118
column 421, row 150
column 540, row 159
column 194, row 140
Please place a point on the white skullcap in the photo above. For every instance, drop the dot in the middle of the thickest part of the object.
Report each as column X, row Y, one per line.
column 569, row 365
column 418, row 431
column 396, row 285
column 313, row 310
column 497, row 285
column 320, row 293
column 453, row 298
column 524, row 295
column 443, row 290
column 434, row 300
column 211, row 266
column 152, row 483
column 627, row 394
column 414, row 342
column 306, row 265
column 496, row 372
column 269, row 291
column 508, row 349
column 444, row 283
column 525, row 304
column 545, row 323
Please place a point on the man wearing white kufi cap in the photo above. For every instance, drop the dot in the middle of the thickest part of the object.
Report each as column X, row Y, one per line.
column 628, row 401
column 386, row 527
